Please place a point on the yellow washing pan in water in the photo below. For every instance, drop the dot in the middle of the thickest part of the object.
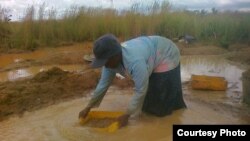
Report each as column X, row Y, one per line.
column 203, row 82
column 102, row 120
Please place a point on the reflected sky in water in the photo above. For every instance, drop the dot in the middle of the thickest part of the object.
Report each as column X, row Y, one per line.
column 31, row 71
column 212, row 66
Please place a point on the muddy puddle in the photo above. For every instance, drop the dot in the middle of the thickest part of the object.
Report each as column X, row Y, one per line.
column 215, row 65
column 60, row 121
column 21, row 73
column 16, row 66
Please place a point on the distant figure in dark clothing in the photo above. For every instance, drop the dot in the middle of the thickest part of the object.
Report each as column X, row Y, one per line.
column 187, row 38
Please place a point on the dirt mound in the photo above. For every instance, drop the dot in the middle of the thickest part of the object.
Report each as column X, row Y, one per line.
column 52, row 74
column 44, row 89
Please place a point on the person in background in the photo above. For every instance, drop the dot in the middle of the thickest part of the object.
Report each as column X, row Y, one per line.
column 153, row 63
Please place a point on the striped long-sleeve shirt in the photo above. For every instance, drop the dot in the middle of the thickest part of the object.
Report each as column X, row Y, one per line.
column 141, row 57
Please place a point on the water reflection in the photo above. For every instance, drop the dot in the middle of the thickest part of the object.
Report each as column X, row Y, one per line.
column 31, row 71
column 20, row 73
column 212, row 66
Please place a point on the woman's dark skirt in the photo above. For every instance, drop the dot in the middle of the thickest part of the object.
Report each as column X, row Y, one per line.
column 164, row 93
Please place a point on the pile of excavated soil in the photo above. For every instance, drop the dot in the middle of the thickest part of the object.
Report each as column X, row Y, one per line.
column 47, row 88
column 43, row 89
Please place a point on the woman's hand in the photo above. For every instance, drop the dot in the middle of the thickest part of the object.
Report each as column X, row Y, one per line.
column 123, row 120
column 84, row 112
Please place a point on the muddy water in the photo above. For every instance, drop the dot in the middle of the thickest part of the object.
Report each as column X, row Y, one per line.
column 15, row 74
column 214, row 65
column 60, row 122
column 31, row 71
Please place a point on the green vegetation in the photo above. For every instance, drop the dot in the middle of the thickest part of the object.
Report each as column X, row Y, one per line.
column 79, row 24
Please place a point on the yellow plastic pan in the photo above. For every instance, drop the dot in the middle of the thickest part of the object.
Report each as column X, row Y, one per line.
column 99, row 115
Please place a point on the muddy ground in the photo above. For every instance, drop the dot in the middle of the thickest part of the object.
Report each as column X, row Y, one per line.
column 55, row 85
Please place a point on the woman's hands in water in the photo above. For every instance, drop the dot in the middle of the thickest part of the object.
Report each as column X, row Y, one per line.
column 84, row 112
column 123, row 120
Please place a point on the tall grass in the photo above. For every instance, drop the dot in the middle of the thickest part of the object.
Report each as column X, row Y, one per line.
column 80, row 24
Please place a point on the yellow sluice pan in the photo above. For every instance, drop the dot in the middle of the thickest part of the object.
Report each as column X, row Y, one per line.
column 102, row 120
column 204, row 82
